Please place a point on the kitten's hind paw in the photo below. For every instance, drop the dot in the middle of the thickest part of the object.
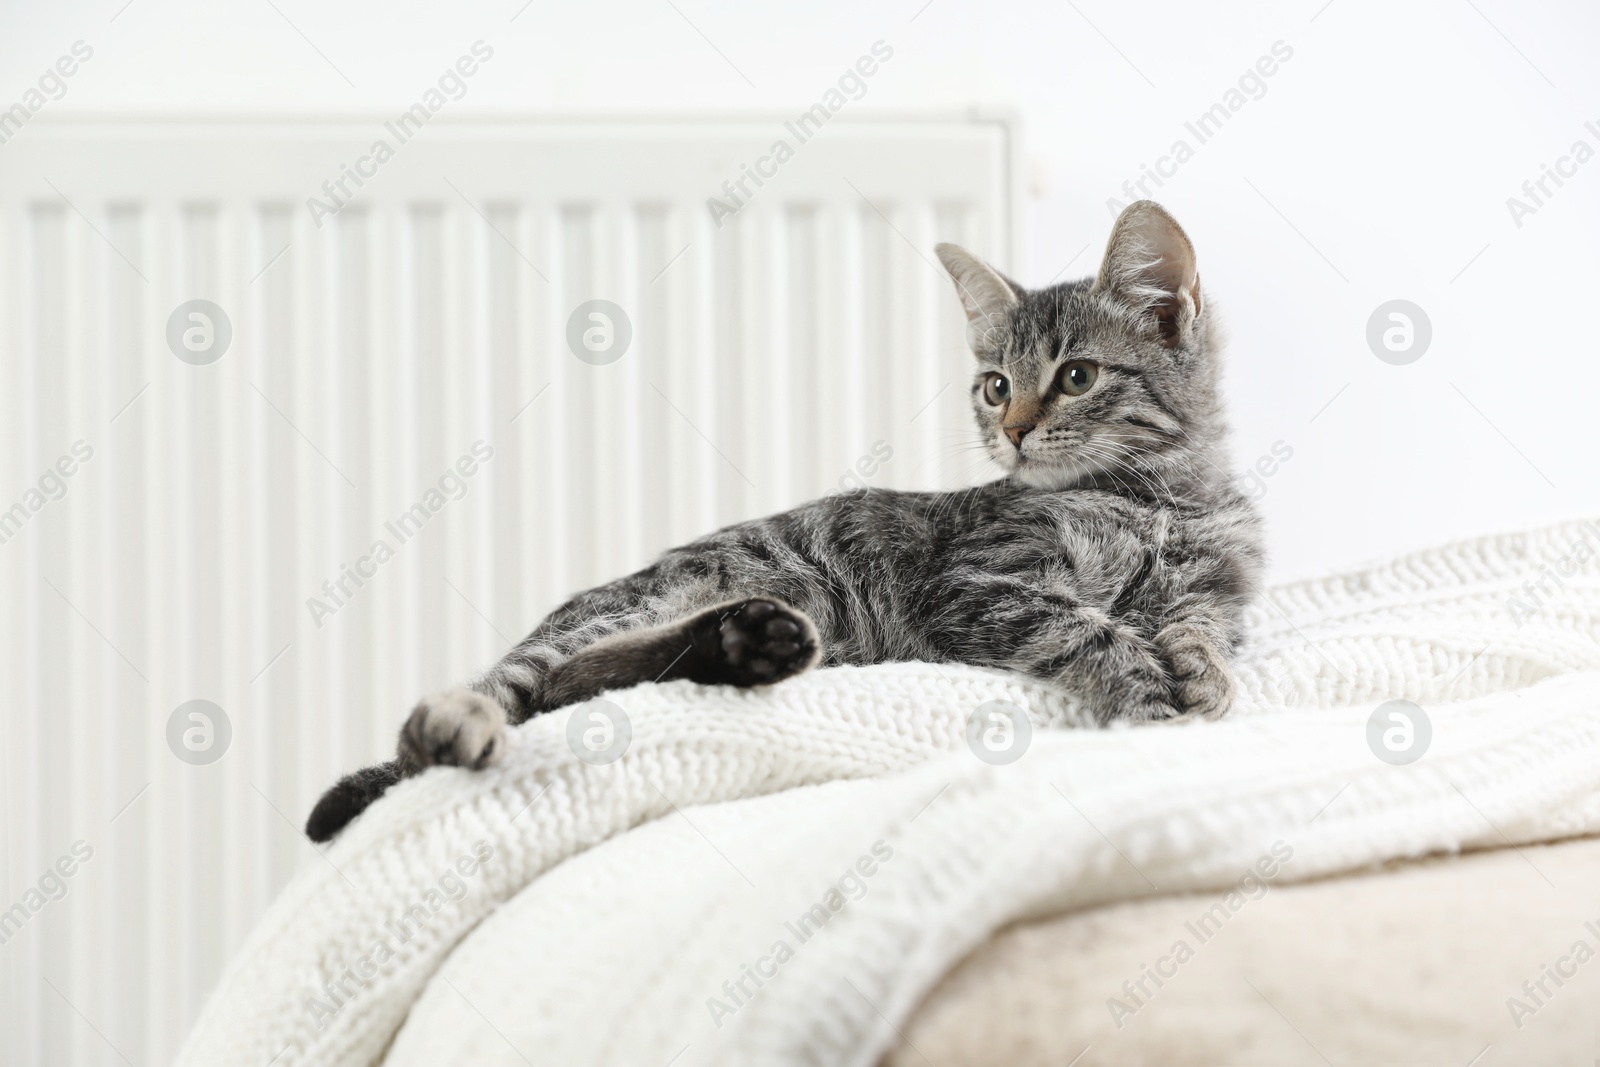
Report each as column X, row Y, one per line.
column 1202, row 679
column 456, row 728
column 754, row 642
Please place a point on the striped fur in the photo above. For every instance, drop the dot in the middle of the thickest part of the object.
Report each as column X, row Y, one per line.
column 1113, row 560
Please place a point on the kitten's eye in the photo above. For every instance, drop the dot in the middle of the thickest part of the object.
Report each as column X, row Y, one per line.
column 996, row 390
column 1076, row 377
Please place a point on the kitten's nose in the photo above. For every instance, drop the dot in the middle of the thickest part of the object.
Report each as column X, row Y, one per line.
column 1018, row 431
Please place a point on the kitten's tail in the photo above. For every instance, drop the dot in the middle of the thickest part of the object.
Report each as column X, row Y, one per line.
column 350, row 797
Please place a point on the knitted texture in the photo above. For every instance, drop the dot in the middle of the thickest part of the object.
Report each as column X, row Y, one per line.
column 614, row 956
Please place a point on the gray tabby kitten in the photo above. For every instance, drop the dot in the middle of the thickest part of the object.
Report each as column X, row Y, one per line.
column 1113, row 560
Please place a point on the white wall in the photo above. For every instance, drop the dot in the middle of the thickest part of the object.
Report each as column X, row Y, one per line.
column 1376, row 166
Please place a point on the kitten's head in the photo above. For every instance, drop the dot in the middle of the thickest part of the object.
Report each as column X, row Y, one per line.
column 1109, row 377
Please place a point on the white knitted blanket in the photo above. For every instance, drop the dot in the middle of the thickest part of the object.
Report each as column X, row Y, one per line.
column 754, row 922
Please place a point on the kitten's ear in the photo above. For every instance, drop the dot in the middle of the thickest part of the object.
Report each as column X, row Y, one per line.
column 986, row 296
column 1149, row 267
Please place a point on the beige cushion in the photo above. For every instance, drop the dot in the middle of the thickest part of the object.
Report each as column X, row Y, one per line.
column 1413, row 963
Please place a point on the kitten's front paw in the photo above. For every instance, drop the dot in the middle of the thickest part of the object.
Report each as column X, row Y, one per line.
column 1142, row 711
column 457, row 728
column 1202, row 679
column 756, row 643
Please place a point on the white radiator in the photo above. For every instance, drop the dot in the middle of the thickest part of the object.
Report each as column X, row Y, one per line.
column 175, row 554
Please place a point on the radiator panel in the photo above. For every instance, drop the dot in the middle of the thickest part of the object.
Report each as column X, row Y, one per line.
column 368, row 354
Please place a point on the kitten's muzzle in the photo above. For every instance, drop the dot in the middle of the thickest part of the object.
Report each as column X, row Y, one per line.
column 1017, row 431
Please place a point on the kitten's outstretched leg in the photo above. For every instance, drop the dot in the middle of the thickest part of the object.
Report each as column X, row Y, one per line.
column 743, row 643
